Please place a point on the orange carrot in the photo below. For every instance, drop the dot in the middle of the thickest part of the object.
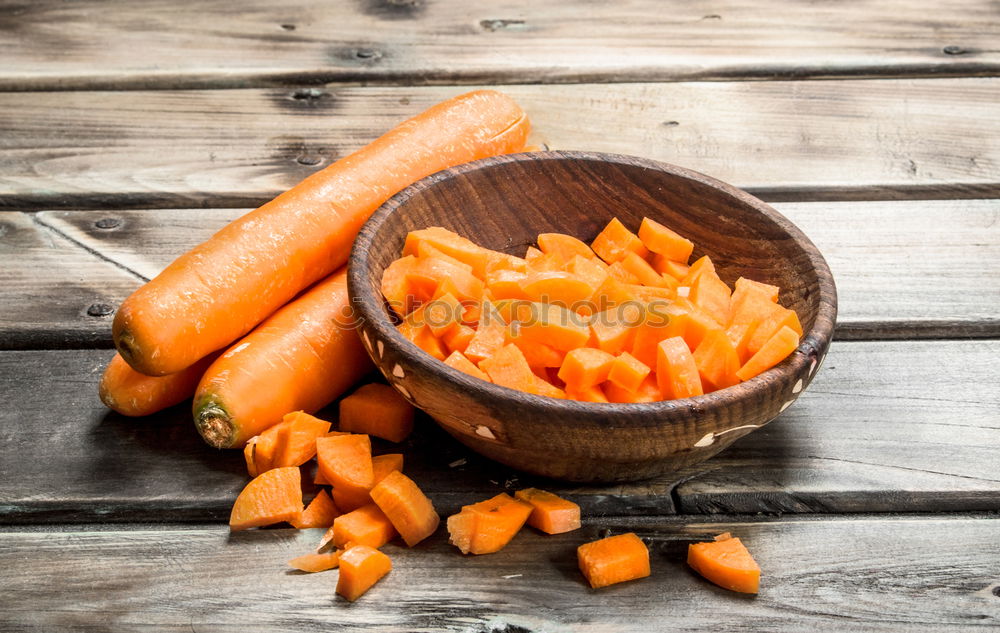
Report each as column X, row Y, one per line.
column 458, row 361
column 614, row 559
column 130, row 393
column 360, row 568
column 550, row 513
column 367, row 525
column 555, row 325
column 488, row 526
column 316, row 562
column 628, row 372
column 662, row 241
column 564, row 246
column 712, row 295
column 346, row 462
column 615, row 241
column 676, row 371
column 298, row 441
column 717, row 361
column 490, row 335
column 320, row 512
column 408, row 508
column 725, row 562
column 272, row 497
column 585, row 367
column 592, row 393
column 775, row 350
column 221, row 289
column 509, row 368
column 301, row 358
column 378, row 410
column 351, row 498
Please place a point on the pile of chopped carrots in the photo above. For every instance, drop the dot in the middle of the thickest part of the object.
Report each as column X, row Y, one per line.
column 623, row 319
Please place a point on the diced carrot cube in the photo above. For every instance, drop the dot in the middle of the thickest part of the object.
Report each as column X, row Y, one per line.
column 750, row 305
column 352, row 498
column 346, row 461
column 458, row 361
column 585, row 367
column 508, row 368
column 663, row 241
column 425, row 249
column 428, row 272
column 488, row 526
column 564, row 246
column 538, row 354
column 550, row 513
column 717, row 361
column 506, row 284
column 779, row 318
column 396, row 287
column 712, row 295
column 615, row 241
column 458, row 339
column 648, row 391
column 775, row 350
column 360, row 568
column 769, row 291
column 614, row 329
column 675, row 270
column 739, row 335
column 378, row 410
column 628, row 372
column 406, row 506
column 320, row 512
column 614, row 559
column 701, row 265
column 367, row 525
column 490, row 335
column 544, row 263
column 642, row 271
column 560, row 288
column 271, row 497
column 443, row 313
column 592, row 271
column 452, row 244
column 725, row 562
column 676, row 371
column 544, row 388
column 591, row 393
column 617, row 270
column 556, row 326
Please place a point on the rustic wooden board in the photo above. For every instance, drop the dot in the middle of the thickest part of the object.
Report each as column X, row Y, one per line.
column 52, row 292
column 845, row 574
column 886, row 426
column 782, row 140
column 903, row 269
column 47, row 44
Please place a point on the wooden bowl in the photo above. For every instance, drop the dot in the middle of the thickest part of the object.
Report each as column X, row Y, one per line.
column 503, row 203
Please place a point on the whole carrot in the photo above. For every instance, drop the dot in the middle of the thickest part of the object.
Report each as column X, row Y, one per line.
column 221, row 289
column 133, row 394
column 300, row 358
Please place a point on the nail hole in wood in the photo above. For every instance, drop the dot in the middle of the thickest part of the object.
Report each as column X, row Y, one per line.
column 604, row 533
column 712, row 16
column 288, row 27
column 996, row 591
column 671, row 123
column 310, row 95
column 496, row 25
column 100, row 309
column 108, row 224
column 308, row 159
column 367, row 53
column 953, row 50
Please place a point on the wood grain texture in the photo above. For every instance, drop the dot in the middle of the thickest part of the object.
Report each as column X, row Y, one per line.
column 52, row 292
column 847, row 574
column 882, row 429
column 781, row 140
column 47, row 44
column 503, row 203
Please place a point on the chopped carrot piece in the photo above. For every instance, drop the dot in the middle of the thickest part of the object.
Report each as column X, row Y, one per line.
column 538, row 355
column 559, row 288
column 444, row 313
column 700, row 265
column 458, row 339
column 532, row 254
column 458, row 361
column 628, row 372
column 488, row 526
column 658, row 324
column 590, row 393
column 260, row 449
column 360, row 568
column 346, row 462
column 717, row 361
column 490, row 335
column 750, row 305
column 662, row 241
column 272, row 497
column 502, row 261
column 450, row 243
column 297, row 442
column 396, row 287
column 585, row 367
column 367, row 525
column 665, row 266
column 648, row 391
column 712, row 295
column 408, row 508
column 507, row 284
column 545, row 388
column 769, row 291
column 725, row 562
column 352, row 498
column 612, row 294
column 775, row 350
column 378, row 410
column 615, row 241
column 739, row 335
column 696, row 325
column 422, row 337
column 316, row 562
column 556, row 326
column 676, row 371
column 642, row 271
column 566, row 247
column 426, row 249
column 550, row 513
column 320, row 512
column 544, row 263
column 428, row 272
column 618, row 271
column 779, row 318
column 592, row 271
column 509, row 368
column 614, row 559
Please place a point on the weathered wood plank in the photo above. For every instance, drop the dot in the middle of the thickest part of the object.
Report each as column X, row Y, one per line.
column 903, row 269
column 781, row 140
column 847, row 574
column 881, row 429
column 54, row 293
column 47, row 44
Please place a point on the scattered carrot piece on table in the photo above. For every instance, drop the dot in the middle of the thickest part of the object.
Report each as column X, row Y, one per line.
column 726, row 562
column 316, row 562
column 367, row 525
column 406, row 506
column 550, row 513
column 320, row 513
column 360, row 568
column 613, row 560
column 379, row 410
column 272, row 497
column 488, row 526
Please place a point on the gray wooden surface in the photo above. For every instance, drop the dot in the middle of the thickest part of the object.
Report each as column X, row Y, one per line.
column 787, row 140
column 52, row 45
column 859, row 574
column 898, row 274
column 886, row 426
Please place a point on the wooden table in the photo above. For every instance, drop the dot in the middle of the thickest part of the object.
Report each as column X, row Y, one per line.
column 129, row 133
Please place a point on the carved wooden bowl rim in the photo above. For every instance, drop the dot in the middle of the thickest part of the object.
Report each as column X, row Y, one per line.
column 370, row 308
